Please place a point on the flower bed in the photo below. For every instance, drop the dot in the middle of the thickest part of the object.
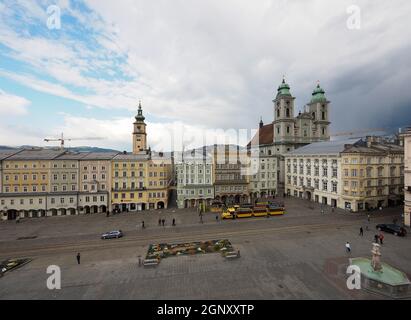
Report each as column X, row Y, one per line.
column 164, row 250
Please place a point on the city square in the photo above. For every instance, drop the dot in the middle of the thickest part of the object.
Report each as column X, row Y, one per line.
column 210, row 152
column 300, row 255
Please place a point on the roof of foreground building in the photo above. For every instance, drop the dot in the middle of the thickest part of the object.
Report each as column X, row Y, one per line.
column 323, row 148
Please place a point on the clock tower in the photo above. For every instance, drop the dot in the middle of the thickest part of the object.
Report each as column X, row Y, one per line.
column 139, row 132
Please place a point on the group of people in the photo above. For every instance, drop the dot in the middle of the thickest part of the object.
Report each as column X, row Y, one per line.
column 161, row 222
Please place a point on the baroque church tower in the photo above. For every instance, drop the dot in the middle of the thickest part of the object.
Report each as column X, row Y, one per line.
column 139, row 132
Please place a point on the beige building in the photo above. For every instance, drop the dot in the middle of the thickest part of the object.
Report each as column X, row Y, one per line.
column 42, row 182
column 407, row 177
column 231, row 175
column 372, row 175
column 353, row 174
column 26, row 183
column 140, row 181
column 95, row 182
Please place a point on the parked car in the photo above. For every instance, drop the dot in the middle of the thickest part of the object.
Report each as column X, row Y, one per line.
column 392, row 228
column 112, row 234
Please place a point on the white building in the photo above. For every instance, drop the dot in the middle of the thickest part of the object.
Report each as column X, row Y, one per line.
column 353, row 174
column 313, row 172
column 195, row 179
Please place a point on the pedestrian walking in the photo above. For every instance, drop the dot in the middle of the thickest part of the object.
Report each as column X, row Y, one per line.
column 159, row 221
column 78, row 258
column 361, row 231
column 376, row 238
column 142, row 224
column 163, row 221
column 368, row 217
column 174, row 222
column 381, row 238
column 348, row 247
column 139, row 261
column 216, row 218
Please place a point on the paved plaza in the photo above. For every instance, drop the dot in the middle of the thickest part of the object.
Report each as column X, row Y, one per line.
column 300, row 255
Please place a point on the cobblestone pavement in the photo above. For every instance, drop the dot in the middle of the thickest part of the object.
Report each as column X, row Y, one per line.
column 300, row 255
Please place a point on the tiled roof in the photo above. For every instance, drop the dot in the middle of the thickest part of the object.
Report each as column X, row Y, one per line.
column 7, row 153
column 100, row 155
column 323, row 148
column 36, row 154
column 264, row 135
column 131, row 156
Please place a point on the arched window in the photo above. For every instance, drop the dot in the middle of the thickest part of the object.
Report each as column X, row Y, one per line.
column 323, row 115
column 288, row 112
column 313, row 114
column 278, row 112
column 288, row 129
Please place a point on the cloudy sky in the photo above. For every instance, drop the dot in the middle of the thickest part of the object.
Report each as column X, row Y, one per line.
column 198, row 66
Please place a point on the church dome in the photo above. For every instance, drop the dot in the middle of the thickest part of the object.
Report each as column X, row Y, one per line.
column 283, row 89
column 318, row 95
column 139, row 116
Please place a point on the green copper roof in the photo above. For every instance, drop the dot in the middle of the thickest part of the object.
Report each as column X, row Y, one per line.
column 318, row 95
column 283, row 89
column 139, row 116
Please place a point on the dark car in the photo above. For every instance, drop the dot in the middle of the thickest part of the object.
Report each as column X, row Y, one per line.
column 112, row 234
column 392, row 228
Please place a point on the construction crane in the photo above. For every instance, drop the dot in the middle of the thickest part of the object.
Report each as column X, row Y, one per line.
column 62, row 139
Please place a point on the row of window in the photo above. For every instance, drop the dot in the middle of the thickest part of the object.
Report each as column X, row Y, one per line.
column 139, row 195
column 373, row 160
column 55, row 177
column 193, row 192
column 369, row 172
column 264, row 185
column 54, row 188
column 230, row 188
column 55, row 166
column 52, row 200
column 194, row 181
column 140, row 165
column 308, row 171
column 308, row 183
column 369, row 183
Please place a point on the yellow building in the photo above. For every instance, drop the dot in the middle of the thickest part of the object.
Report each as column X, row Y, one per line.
column 372, row 175
column 140, row 182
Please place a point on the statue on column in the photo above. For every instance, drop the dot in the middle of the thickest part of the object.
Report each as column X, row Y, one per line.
column 376, row 258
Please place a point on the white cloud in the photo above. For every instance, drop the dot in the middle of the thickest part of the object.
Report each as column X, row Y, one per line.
column 12, row 105
column 217, row 64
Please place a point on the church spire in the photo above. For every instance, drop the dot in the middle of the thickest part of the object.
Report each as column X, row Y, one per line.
column 139, row 116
